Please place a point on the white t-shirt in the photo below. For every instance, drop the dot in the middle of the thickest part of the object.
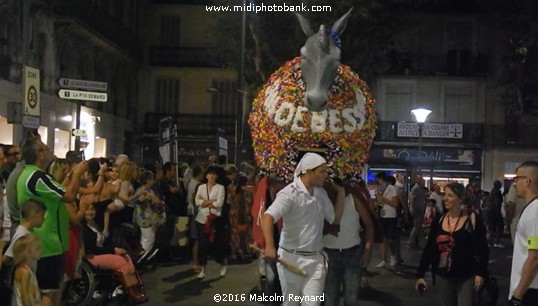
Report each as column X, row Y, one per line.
column 526, row 238
column 389, row 210
column 439, row 207
column 6, row 218
column 20, row 232
column 349, row 228
column 203, row 193
column 302, row 215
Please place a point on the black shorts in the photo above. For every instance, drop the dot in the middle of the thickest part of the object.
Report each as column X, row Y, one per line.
column 49, row 273
column 389, row 227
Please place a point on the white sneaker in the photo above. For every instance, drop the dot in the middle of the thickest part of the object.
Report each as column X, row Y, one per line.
column 97, row 295
column 382, row 264
column 118, row 291
column 498, row 245
column 393, row 261
column 223, row 270
column 201, row 275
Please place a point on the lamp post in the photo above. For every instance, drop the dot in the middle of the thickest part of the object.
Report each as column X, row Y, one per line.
column 420, row 114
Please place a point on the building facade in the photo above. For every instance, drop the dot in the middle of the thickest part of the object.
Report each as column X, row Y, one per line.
column 82, row 40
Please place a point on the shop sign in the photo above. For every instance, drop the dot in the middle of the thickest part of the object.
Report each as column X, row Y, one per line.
column 453, row 158
column 430, row 130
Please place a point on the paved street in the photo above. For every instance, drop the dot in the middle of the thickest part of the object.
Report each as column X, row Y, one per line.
column 178, row 285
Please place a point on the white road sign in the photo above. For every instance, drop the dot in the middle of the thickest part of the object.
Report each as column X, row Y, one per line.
column 82, row 95
column 83, row 84
column 431, row 130
column 30, row 122
column 31, row 91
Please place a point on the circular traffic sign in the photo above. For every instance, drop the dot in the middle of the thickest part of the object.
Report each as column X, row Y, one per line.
column 32, row 96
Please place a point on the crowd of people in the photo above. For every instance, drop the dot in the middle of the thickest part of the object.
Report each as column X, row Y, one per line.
column 58, row 213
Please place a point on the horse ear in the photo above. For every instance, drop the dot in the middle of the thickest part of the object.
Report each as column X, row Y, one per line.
column 340, row 25
column 305, row 25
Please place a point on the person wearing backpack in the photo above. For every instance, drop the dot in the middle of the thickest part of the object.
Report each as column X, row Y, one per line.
column 524, row 276
column 457, row 251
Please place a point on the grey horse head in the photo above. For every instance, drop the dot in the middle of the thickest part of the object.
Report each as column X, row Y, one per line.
column 320, row 57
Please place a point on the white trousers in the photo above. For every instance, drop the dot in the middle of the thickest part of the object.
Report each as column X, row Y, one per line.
column 147, row 238
column 310, row 288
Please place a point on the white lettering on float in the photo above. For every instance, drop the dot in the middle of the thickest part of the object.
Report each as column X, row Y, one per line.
column 347, row 120
column 319, row 122
column 298, row 122
column 271, row 98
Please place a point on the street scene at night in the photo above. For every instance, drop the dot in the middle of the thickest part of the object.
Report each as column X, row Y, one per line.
column 268, row 152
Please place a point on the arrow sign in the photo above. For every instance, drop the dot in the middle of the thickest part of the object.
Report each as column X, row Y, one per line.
column 82, row 84
column 82, row 95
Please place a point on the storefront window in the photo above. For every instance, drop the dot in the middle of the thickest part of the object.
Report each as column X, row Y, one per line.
column 6, row 131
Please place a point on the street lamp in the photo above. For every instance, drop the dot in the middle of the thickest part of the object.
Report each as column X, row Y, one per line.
column 420, row 114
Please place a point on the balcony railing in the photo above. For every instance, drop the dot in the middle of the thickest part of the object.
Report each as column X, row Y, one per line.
column 184, row 57
column 99, row 20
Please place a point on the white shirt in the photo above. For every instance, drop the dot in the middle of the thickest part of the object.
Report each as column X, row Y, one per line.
column 389, row 210
column 20, row 232
column 527, row 228
column 519, row 202
column 349, row 228
column 216, row 193
column 438, row 201
column 190, row 197
column 302, row 215
column 187, row 177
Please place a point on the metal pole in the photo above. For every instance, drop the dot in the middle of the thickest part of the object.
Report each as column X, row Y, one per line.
column 420, row 126
column 26, row 37
column 77, row 126
column 236, row 140
column 240, row 80
column 240, row 77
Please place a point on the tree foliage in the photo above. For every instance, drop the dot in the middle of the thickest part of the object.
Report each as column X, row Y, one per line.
column 275, row 37
column 368, row 44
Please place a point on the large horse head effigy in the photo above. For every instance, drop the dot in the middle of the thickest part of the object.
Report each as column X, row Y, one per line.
column 314, row 103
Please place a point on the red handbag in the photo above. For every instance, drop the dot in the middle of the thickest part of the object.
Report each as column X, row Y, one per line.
column 208, row 226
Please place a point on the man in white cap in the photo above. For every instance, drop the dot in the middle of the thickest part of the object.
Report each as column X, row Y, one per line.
column 303, row 205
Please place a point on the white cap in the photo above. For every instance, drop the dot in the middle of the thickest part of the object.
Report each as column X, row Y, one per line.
column 308, row 162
